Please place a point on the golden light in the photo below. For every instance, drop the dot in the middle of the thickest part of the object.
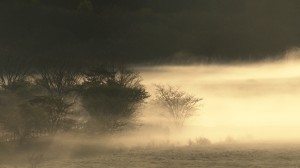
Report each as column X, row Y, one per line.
column 246, row 101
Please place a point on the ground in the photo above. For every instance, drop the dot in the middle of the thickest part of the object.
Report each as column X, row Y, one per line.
column 215, row 155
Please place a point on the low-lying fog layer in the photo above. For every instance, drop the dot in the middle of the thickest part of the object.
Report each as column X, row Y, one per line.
column 241, row 103
column 258, row 101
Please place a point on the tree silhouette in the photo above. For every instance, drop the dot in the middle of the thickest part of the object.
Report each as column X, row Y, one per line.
column 59, row 80
column 177, row 104
column 60, row 83
column 112, row 96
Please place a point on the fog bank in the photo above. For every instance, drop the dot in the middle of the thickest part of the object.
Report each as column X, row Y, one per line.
column 257, row 101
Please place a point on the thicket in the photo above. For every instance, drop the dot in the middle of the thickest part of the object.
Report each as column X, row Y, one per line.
column 46, row 99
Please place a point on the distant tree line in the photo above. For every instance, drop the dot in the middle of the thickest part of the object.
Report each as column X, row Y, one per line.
column 46, row 99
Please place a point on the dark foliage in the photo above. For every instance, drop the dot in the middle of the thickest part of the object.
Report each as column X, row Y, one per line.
column 55, row 112
column 60, row 84
column 112, row 95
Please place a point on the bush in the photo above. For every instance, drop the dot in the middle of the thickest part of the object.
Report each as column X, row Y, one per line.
column 112, row 96
column 199, row 141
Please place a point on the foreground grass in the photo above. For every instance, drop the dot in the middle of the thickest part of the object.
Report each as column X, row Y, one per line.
column 77, row 155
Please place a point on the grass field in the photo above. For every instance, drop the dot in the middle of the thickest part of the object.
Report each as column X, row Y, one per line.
column 215, row 155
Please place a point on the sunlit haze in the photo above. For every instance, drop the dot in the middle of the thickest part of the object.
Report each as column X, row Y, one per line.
column 258, row 101
column 149, row 83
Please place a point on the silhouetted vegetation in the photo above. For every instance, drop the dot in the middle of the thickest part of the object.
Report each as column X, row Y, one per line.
column 177, row 104
column 112, row 95
column 44, row 101
column 60, row 84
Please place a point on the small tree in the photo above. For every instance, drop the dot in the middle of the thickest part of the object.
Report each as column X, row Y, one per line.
column 112, row 95
column 60, row 83
column 178, row 104
column 55, row 111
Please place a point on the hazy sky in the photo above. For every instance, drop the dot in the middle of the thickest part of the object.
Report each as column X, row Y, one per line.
column 259, row 100
column 244, row 95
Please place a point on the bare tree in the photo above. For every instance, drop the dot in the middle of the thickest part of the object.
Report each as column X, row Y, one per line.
column 60, row 82
column 55, row 111
column 178, row 104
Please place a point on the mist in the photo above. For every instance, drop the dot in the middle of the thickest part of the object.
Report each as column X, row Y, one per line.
column 82, row 81
column 243, row 101
column 248, row 110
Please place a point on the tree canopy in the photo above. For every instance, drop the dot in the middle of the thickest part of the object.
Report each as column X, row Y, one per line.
column 112, row 96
